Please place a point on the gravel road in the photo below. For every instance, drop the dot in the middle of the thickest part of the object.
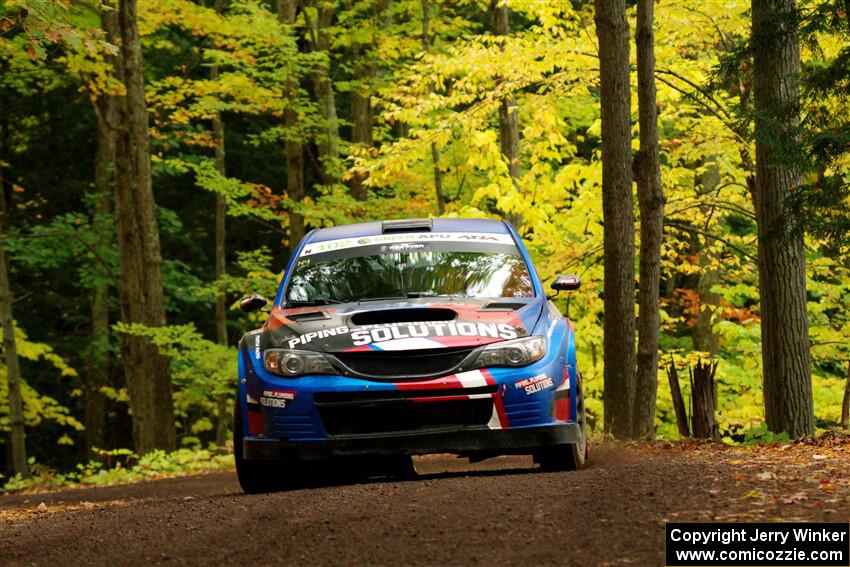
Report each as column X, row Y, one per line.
column 502, row 511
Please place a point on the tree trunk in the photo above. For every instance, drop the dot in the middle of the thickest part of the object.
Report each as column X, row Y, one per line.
column 141, row 289
column 293, row 151
column 704, row 400
column 435, row 151
column 845, row 403
column 704, row 337
column 17, row 433
column 651, row 202
column 612, row 30
column 328, row 140
column 361, row 115
column 438, row 179
column 220, row 267
column 782, row 260
column 365, row 70
column 508, row 114
column 678, row 401
column 104, row 180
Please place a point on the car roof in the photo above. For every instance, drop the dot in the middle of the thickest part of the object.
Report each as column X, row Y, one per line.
column 438, row 225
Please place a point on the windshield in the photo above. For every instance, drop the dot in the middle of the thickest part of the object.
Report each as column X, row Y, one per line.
column 409, row 265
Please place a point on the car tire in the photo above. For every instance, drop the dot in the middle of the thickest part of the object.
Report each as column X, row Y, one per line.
column 255, row 477
column 403, row 468
column 569, row 456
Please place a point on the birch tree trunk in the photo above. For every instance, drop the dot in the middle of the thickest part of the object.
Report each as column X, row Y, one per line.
column 612, row 30
column 782, row 261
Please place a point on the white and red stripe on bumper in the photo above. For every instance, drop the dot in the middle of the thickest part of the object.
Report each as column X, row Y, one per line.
column 463, row 381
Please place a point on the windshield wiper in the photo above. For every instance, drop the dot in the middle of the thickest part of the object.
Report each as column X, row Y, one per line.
column 389, row 298
column 417, row 294
column 410, row 295
column 312, row 302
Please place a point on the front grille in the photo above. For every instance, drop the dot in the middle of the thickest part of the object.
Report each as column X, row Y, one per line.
column 361, row 396
column 404, row 364
column 403, row 415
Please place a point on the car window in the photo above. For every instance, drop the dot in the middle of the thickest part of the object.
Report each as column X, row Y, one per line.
column 410, row 267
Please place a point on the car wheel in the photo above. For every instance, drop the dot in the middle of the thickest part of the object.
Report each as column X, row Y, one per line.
column 403, row 468
column 570, row 456
column 255, row 477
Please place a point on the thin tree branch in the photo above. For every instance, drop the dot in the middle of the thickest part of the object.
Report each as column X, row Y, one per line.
column 725, row 205
column 696, row 87
column 674, row 224
column 708, row 107
column 64, row 234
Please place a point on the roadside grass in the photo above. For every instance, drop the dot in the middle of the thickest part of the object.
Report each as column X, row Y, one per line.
column 122, row 466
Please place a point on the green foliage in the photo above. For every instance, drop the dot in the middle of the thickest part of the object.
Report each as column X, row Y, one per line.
column 761, row 436
column 43, row 23
column 125, row 467
column 248, row 69
column 39, row 408
column 201, row 370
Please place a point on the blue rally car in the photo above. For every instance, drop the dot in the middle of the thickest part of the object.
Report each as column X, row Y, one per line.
column 388, row 340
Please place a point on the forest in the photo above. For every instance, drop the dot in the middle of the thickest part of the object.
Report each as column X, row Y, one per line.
column 159, row 160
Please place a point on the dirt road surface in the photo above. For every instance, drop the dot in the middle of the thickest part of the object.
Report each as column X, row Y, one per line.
column 503, row 511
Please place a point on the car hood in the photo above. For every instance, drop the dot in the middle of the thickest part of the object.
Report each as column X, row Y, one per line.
column 411, row 324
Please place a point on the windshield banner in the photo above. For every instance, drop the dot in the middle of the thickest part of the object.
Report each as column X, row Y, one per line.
column 405, row 240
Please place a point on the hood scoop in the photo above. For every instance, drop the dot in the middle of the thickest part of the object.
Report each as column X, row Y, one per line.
column 414, row 315
column 308, row 316
column 503, row 306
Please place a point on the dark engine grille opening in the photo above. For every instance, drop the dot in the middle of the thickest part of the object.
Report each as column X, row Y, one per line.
column 404, row 364
column 329, row 398
column 404, row 415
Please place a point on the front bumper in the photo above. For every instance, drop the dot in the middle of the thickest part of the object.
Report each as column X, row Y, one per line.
column 467, row 441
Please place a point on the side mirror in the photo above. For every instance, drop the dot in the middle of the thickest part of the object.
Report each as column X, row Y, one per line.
column 566, row 283
column 253, row 302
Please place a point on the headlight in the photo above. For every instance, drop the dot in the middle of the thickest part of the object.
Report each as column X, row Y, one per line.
column 296, row 362
column 517, row 352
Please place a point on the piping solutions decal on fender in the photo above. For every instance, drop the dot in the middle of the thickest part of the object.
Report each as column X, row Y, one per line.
column 277, row 398
column 534, row 384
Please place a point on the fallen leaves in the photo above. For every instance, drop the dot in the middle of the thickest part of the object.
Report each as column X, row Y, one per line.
column 796, row 497
column 752, row 495
column 43, row 510
column 809, row 478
